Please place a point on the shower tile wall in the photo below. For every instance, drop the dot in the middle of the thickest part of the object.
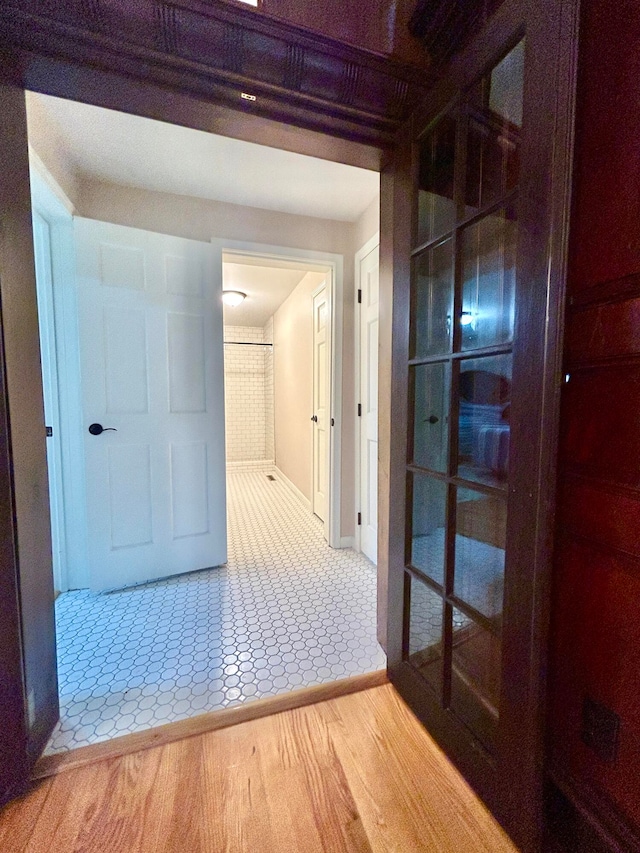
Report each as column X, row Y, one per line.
column 248, row 375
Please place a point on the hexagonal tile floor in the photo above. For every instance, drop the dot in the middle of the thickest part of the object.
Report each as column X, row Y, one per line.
column 286, row 611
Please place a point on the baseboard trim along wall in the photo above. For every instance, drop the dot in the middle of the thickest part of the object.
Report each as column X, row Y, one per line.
column 278, row 473
column 251, row 465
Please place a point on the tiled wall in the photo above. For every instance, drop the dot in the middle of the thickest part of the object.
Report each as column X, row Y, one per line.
column 248, row 376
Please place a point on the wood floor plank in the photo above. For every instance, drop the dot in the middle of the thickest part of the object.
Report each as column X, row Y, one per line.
column 355, row 774
column 70, row 804
column 410, row 796
column 308, row 745
column 18, row 818
column 290, row 808
column 236, row 791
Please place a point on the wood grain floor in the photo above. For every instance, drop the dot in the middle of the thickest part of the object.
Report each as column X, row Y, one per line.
column 356, row 773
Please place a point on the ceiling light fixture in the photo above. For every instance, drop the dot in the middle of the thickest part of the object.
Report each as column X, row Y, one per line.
column 233, row 297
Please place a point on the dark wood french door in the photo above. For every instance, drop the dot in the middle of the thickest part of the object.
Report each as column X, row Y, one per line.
column 482, row 178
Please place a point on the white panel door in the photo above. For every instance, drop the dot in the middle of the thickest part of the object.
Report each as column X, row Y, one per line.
column 321, row 413
column 368, row 284
column 150, row 318
column 46, row 322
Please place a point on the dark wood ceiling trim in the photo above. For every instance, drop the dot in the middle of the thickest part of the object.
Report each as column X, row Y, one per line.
column 221, row 51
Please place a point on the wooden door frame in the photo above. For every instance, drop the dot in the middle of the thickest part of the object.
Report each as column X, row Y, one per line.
column 552, row 197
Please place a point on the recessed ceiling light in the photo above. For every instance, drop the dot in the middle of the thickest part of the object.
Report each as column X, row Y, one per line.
column 233, row 297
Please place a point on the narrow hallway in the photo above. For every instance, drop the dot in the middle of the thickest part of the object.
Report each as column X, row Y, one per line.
column 285, row 612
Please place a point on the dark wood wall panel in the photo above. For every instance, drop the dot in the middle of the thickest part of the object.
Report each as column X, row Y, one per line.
column 606, row 238
column 596, row 599
column 601, row 429
column 606, row 515
column 591, row 593
column 604, row 330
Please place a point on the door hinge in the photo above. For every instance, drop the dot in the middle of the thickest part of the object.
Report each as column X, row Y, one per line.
column 359, row 410
column 359, row 518
column 49, row 431
column 359, row 296
column 333, row 423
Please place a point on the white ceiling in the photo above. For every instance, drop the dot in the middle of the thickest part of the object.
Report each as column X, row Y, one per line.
column 266, row 283
column 152, row 155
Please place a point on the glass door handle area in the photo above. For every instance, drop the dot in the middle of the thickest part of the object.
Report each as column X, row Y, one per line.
column 97, row 429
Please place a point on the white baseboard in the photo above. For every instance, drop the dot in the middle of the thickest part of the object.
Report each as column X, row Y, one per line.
column 278, row 473
column 251, row 465
column 347, row 541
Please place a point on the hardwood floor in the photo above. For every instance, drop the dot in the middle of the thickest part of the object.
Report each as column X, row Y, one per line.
column 356, row 773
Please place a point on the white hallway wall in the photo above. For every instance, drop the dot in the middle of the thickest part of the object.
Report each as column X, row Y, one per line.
column 293, row 380
column 199, row 219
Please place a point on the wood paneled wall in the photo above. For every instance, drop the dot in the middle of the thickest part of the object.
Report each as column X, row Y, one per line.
column 596, row 603
column 378, row 25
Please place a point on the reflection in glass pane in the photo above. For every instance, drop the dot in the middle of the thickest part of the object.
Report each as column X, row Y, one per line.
column 425, row 632
column 430, row 415
column 493, row 140
column 488, row 288
column 475, row 682
column 436, row 210
column 481, row 522
column 506, row 86
column 433, row 301
column 428, row 526
column 483, row 428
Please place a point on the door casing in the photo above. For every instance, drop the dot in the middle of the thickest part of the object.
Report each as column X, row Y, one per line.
column 335, row 284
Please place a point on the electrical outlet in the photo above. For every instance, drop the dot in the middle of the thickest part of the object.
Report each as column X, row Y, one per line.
column 600, row 729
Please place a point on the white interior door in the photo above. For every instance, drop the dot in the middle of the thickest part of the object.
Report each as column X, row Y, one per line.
column 321, row 412
column 46, row 321
column 368, row 422
column 150, row 317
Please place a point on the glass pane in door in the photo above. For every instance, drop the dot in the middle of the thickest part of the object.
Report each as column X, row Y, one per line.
column 484, row 388
column 430, row 415
column 481, row 529
column 428, row 518
column 493, row 136
column 476, row 677
column 425, row 631
column 436, row 208
column 432, row 301
column 488, row 288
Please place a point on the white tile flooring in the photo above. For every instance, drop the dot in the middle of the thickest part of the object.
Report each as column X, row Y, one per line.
column 286, row 612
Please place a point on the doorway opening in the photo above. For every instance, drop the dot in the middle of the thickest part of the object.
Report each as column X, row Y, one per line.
column 133, row 339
